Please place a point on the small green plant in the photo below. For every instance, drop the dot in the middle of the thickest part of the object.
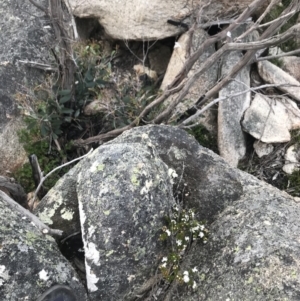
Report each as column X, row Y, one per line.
column 181, row 230
column 203, row 136
column 34, row 143
column 274, row 14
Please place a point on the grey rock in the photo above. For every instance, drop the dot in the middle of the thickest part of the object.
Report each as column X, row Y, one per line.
column 124, row 189
column 231, row 138
column 262, row 149
column 124, row 192
column 291, row 159
column 22, row 37
column 291, row 65
column 14, row 190
column 254, row 249
column 201, row 85
column 204, row 176
column 275, row 75
column 30, row 262
column 59, row 207
column 270, row 119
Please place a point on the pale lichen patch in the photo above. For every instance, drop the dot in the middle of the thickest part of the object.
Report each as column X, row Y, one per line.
column 3, row 274
column 91, row 279
column 67, row 214
column 92, row 254
column 46, row 215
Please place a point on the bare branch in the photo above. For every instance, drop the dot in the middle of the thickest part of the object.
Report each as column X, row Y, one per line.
column 57, row 168
column 45, row 67
column 219, row 99
column 293, row 31
column 270, row 57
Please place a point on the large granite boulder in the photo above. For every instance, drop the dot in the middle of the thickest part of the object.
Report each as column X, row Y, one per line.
column 147, row 20
column 30, row 261
column 23, row 37
column 126, row 187
column 124, row 192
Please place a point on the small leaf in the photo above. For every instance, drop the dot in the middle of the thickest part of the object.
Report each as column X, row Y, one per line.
column 64, row 92
column 65, row 99
column 77, row 113
column 44, row 130
column 67, row 111
column 90, row 84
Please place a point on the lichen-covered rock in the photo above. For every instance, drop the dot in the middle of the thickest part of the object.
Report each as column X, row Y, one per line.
column 206, row 180
column 253, row 251
column 124, row 192
column 30, row 262
column 124, row 189
column 59, row 208
column 231, row 138
column 23, row 37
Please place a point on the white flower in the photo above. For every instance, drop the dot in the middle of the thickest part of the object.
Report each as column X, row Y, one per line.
column 201, row 234
column 168, row 232
column 201, row 227
column 194, row 270
column 164, row 259
column 186, row 277
column 194, row 285
column 187, row 238
column 163, row 265
column 194, row 229
column 179, row 242
column 172, row 173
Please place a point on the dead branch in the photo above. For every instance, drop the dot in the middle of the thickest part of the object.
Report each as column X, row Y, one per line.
column 193, row 118
column 270, row 57
column 43, row 178
column 256, row 25
column 177, row 85
column 252, row 46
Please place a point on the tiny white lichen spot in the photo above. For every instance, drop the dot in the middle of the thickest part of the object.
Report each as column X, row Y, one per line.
column 3, row 275
column 92, row 253
column 43, row 275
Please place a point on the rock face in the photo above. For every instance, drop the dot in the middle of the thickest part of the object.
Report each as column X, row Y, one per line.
column 291, row 65
column 124, row 188
column 231, row 138
column 140, row 20
column 202, row 84
column 291, row 159
column 124, row 192
column 30, row 262
column 275, row 75
column 22, row 37
column 270, row 120
column 254, row 250
column 59, row 207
